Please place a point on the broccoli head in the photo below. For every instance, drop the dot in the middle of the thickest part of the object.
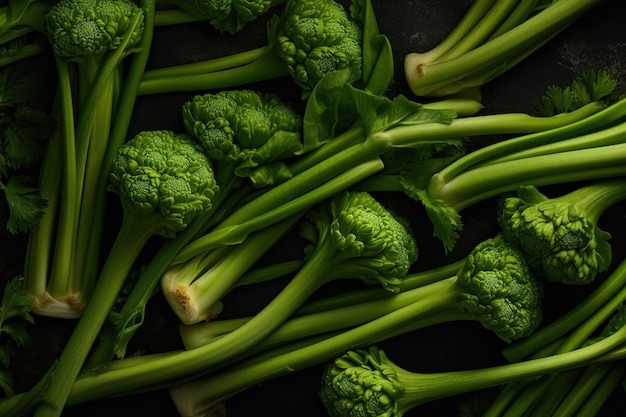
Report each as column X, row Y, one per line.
column 164, row 175
column 243, row 130
column 83, row 28
column 361, row 383
column 232, row 15
column 316, row 37
column 560, row 236
column 371, row 242
column 497, row 286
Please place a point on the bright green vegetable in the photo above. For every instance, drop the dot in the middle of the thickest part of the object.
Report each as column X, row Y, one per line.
column 90, row 40
column 358, row 239
column 164, row 182
column 381, row 242
column 243, row 159
column 310, row 39
column 228, row 16
column 560, row 236
column 579, row 327
column 490, row 39
column 366, row 382
column 493, row 286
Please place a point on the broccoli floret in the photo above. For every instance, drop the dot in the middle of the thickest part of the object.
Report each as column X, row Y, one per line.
column 228, row 16
column 84, row 31
column 366, row 383
column 310, row 39
column 163, row 176
column 560, row 235
column 245, row 133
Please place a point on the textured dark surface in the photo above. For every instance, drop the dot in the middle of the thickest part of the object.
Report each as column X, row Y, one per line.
column 596, row 41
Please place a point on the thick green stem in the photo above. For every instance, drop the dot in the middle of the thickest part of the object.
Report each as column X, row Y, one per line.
column 329, row 320
column 423, row 388
column 287, row 198
column 193, row 298
column 425, row 80
column 268, row 66
column 318, row 270
column 208, row 66
column 133, row 235
column 491, row 180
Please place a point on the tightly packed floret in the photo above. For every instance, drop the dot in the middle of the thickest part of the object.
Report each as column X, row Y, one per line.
column 165, row 175
column 361, row 383
column 497, row 285
column 379, row 244
column 93, row 27
column 244, row 129
column 232, row 15
column 317, row 37
column 559, row 236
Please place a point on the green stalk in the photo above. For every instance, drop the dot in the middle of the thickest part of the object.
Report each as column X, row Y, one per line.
column 208, row 66
column 335, row 157
column 286, row 199
column 175, row 16
column 426, row 80
column 482, row 30
column 597, row 398
column 59, row 274
column 323, row 321
column 496, row 179
column 133, row 234
column 266, row 66
column 193, row 296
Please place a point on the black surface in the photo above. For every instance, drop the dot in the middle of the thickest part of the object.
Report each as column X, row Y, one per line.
column 596, row 41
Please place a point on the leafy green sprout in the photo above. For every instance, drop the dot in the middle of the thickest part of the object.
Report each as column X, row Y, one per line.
column 308, row 40
column 560, row 236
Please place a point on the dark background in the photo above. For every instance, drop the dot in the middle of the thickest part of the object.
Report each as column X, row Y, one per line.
column 596, row 41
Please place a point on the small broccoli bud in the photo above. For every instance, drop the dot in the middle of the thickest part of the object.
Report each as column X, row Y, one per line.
column 380, row 245
column 497, row 286
column 361, row 383
column 244, row 129
column 163, row 174
column 232, row 15
column 317, row 37
column 92, row 27
column 560, row 235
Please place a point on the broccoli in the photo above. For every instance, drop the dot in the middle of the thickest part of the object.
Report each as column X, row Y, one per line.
column 244, row 158
column 358, row 239
column 90, row 40
column 308, row 40
column 493, row 285
column 225, row 15
column 490, row 39
column 364, row 241
column 164, row 182
column 575, row 328
column 560, row 236
column 366, row 382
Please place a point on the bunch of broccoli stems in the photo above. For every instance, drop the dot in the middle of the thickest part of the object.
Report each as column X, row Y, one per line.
column 584, row 144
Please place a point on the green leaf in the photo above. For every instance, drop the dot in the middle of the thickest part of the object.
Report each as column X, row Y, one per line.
column 446, row 220
column 330, row 108
column 26, row 206
column 25, row 134
column 377, row 54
